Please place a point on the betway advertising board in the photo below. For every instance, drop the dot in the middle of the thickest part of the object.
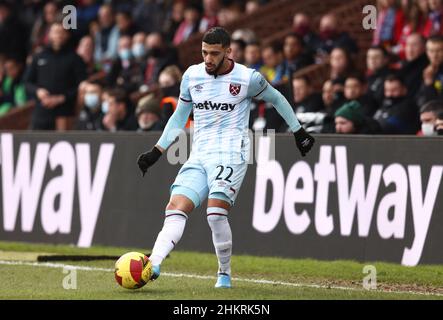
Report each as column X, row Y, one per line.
column 363, row 198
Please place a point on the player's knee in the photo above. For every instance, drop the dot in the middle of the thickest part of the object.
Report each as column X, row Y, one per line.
column 181, row 203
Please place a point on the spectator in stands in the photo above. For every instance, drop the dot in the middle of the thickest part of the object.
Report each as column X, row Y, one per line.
column 40, row 29
column 332, row 100
column 119, row 117
column 138, row 49
column 125, row 24
column 189, row 25
column 377, row 61
column 415, row 62
column 106, row 38
column 85, row 50
column 148, row 15
column 172, row 22
column 126, row 72
column 432, row 84
column 87, row 11
column 12, row 32
column 238, row 51
column 398, row 114
column 355, row 90
column 91, row 115
column 273, row 68
column 305, row 99
column 390, row 22
column 53, row 77
column 415, row 18
column 148, row 114
column 169, row 82
column 159, row 56
column 209, row 19
column 434, row 24
column 252, row 6
column 253, row 56
column 332, row 37
column 12, row 89
column 350, row 119
column 428, row 117
column 341, row 65
column 302, row 27
column 229, row 13
column 295, row 54
column 439, row 124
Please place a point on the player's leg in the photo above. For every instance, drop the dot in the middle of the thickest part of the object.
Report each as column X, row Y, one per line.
column 176, row 214
column 187, row 192
column 217, row 215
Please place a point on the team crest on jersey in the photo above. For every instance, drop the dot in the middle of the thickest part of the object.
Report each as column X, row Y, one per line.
column 234, row 88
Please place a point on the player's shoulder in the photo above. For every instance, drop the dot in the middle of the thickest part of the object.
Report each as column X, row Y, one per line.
column 195, row 69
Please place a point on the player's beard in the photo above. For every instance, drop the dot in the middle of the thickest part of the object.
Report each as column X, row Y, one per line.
column 215, row 71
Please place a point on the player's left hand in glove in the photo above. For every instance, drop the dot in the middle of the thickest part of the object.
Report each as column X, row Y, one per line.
column 147, row 159
column 304, row 141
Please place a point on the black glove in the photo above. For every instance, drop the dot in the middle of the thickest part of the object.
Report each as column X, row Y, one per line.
column 147, row 159
column 304, row 141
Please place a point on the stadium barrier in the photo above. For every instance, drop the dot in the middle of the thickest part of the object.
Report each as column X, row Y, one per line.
column 376, row 198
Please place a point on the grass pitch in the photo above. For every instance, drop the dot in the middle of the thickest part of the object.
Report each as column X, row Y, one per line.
column 190, row 275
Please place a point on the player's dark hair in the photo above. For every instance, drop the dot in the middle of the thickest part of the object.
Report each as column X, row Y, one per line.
column 432, row 106
column 217, row 35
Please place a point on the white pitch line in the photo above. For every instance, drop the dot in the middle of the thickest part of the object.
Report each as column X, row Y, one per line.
column 195, row 276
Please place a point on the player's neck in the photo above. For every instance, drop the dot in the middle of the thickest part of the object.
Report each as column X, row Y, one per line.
column 227, row 67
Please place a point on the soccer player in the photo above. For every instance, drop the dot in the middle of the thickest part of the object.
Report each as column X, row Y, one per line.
column 219, row 91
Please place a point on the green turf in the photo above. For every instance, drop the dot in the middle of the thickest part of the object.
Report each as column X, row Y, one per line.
column 39, row 282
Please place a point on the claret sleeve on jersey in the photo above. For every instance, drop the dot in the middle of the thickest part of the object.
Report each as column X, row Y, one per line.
column 260, row 89
column 179, row 118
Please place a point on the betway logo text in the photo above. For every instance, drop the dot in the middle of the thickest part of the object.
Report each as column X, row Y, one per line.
column 356, row 197
column 23, row 186
column 209, row 105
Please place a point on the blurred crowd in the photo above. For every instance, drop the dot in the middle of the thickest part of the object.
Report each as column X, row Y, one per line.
column 119, row 69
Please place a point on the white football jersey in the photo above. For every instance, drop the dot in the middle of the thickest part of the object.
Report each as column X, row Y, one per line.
column 220, row 106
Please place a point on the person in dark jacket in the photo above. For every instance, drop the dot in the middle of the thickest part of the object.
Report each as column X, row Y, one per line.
column 120, row 116
column 377, row 60
column 398, row 114
column 432, row 84
column 53, row 78
column 91, row 115
column 415, row 62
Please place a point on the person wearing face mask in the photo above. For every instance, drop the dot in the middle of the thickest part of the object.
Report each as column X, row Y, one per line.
column 138, row 46
column 428, row 117
column 439, row 124
column 159, row 56
column 332, row 37
column 91, row 115
column 126, row 71
column 148, row 114
column 302, row 27
column 397, row 114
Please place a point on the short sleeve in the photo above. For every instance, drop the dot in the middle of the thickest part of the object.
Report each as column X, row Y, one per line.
column 257, row 85
column 185, row 95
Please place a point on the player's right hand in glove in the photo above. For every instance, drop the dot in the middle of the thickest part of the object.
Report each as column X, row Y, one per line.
column 147, row 159
column 304, row 141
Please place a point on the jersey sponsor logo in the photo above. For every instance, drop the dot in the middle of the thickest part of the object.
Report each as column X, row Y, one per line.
column 209, row 105
column 234, row 88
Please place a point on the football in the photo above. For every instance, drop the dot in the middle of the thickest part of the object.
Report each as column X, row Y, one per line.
column 133, row 270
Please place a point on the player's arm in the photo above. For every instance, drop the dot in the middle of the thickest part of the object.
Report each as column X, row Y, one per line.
column 175, row 124
column 260, row 89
